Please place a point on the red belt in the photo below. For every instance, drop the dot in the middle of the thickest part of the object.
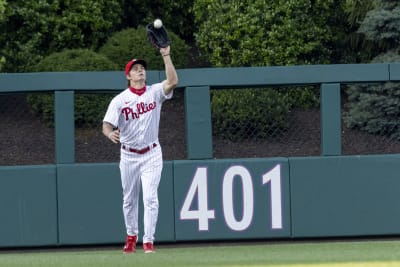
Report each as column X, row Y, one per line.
column 139, row 151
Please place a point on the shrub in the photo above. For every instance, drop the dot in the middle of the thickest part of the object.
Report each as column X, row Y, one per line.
column 238, row 114
column 75, row 60
column 259, row 113
column 89, row 108
column 253, row 33
column 177, row 15
column 32, row 30
column 375, row 108
column 132, row 43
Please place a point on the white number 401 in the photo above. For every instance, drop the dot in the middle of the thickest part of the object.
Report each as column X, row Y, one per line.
column 203, row 214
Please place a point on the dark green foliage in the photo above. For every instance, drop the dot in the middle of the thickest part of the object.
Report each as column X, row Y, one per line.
column 34, row 29
column 379, row 27
column 75, row 60
column 382, row 24
column 176, row 15
column 357, row 9
column 259, row 113
column 237, row 114
column 3, row 4
column 89, row 108
column 42, row 105
column 352, row 46
column 305, row 97
column 375, row 108
column 132, row 43
column 256, row 33
column 253, row 33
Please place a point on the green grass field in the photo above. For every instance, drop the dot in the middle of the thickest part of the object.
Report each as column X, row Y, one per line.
column 295, row 254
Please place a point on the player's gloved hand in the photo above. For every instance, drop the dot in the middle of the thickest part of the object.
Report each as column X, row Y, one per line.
column 157, row 37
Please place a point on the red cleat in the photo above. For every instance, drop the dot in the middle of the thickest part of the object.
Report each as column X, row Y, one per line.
column 130, row 244
column 148, row 247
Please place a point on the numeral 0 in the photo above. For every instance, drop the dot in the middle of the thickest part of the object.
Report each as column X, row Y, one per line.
column 203, row 214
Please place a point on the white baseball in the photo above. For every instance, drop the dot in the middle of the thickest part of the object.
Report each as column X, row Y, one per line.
column 157, row 23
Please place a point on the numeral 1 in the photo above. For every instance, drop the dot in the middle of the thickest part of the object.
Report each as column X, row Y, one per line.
column 274, row 178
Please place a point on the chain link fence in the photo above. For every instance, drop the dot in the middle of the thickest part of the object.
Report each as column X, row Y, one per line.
column 24, row 138
column 266, row 122
column 370, row 118
column 264, row 127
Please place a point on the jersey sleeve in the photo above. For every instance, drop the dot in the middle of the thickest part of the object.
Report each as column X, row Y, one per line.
column 111, row 115
column 168, row 96
column 162, row 94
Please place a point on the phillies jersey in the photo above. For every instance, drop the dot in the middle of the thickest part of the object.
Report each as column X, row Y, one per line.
column 137, row 115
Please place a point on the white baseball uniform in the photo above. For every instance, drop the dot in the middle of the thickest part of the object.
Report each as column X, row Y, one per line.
column 137, row 115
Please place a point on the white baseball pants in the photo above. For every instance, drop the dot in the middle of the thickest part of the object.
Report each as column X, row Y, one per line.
column 141, row 170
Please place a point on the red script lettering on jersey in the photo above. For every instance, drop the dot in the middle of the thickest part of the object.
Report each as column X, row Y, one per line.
column 141, row 108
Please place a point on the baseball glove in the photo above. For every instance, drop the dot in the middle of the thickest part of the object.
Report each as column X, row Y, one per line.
column 157, row 37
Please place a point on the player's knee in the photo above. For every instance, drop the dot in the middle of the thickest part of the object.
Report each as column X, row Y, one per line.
column 151, row 203
column 127, row 203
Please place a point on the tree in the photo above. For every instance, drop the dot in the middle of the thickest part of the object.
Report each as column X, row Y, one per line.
column 375, row 108
column 357, row 9
column 89, row 108
column 3, row 4
column 260, row 33
column 33, row 29
column 132, row 43
column 381, row 25
column 176, row 15
column 274, row 32
column 356, row 47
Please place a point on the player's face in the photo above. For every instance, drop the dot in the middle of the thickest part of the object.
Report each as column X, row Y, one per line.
column 137, row 73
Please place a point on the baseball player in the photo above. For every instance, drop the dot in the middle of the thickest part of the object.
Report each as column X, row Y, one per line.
column 132, row 119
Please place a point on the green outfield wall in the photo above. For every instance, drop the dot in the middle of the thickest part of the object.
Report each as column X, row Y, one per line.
column 202, row 198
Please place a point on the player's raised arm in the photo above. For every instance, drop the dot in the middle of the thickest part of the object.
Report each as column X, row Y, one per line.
column 172, row 77
column 159, row 38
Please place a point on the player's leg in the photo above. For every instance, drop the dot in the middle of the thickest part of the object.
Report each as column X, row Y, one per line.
column 130, row 179
column 151, row 175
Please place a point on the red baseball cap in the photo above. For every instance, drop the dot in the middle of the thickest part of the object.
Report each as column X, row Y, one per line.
column 132, row 62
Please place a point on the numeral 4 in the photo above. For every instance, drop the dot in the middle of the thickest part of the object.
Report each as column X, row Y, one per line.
column 202, row 214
